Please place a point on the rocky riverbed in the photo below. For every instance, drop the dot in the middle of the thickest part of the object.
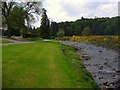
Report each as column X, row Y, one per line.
column 101, row 62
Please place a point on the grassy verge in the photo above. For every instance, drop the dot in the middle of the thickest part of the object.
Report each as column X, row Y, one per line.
column 73, row 59
column 42, row 65
column 0, row 67
column 5, row 41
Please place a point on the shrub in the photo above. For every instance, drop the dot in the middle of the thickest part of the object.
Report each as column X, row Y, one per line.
column 60, row 33
column 86, row 31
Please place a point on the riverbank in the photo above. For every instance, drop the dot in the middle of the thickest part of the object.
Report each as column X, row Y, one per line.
column 101, row 62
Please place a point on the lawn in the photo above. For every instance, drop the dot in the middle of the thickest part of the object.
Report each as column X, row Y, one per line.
column 0, row 67
column 43, row 65
column 5, row 41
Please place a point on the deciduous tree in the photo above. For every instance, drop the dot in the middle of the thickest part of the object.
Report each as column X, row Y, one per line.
column 31, row 8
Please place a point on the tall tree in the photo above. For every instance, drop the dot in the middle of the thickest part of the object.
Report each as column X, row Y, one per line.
column 30, row 7
column 6, row 9
column 45, row 31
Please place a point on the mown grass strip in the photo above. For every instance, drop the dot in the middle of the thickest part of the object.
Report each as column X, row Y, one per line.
column 42, row 65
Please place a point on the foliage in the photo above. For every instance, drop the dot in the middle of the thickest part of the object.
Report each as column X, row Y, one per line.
column 34, row 39
column 24, row 32
column 16, row 13
column 108, row 41
column 17, row 20
column 99, row 26
column 86, row 31
column 53, row 29
column 60, row 33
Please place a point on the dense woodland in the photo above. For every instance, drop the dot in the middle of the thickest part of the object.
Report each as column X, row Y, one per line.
column 82, row 27
column 85, row 26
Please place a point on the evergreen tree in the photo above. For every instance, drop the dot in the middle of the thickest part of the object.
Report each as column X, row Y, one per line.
column 45, row 32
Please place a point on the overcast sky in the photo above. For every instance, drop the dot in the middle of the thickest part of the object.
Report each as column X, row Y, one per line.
column 71, row 10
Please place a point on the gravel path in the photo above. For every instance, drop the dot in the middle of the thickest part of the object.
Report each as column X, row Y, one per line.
column 101, row 62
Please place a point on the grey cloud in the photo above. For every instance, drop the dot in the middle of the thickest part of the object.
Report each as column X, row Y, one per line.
column 70, row 10
column 73, row 10
column 94, row 5
column 119, row 8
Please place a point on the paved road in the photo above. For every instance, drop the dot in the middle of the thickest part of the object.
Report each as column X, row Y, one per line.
column 101, row 62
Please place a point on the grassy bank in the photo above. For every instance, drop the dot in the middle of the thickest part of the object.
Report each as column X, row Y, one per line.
column 73, row 59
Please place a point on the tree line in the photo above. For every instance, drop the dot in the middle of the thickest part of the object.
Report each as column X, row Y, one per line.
column 85, row 26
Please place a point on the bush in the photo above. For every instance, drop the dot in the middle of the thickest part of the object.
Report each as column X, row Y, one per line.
column 86, row 31
column 60, row 33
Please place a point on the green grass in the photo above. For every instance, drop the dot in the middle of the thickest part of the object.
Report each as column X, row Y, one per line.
column 77, row 65
column 0, row 67
column 43, row 65
column 5, row 41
